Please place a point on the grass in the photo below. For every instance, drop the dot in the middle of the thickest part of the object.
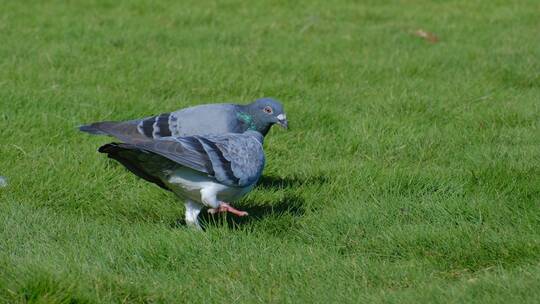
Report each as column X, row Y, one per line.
column 411, row 172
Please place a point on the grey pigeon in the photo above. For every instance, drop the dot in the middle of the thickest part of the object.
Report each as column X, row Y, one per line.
column 209, row 119
column 209, row 170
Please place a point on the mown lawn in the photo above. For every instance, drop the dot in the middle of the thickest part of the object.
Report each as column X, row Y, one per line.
column 410, row 173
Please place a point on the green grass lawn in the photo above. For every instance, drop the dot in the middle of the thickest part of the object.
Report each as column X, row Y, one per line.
column 410, row 173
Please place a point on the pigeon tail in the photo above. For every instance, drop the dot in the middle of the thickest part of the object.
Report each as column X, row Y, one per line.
column 126, row 131
column 96, row 128
column 127, row 155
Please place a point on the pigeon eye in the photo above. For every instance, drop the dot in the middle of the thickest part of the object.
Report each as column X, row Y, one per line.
column 268, row 110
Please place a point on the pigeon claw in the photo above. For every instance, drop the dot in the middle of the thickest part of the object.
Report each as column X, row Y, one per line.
column 224, row 207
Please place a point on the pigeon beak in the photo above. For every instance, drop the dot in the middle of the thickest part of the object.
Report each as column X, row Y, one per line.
column 282, row 121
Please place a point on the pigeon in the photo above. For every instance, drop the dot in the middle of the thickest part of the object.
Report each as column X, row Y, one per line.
column 204, row 170
column 209, row 119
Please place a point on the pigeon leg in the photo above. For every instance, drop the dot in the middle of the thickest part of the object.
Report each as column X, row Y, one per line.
column 224, row 207
column 192, row 212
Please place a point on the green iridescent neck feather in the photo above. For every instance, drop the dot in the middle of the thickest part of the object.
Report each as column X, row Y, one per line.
column 247, row 119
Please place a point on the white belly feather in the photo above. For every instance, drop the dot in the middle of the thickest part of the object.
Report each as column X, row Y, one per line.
column 188, row 183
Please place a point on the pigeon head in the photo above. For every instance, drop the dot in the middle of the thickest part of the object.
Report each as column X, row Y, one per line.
column 261, row 114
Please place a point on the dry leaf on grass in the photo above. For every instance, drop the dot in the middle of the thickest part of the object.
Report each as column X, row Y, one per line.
column 429, row 37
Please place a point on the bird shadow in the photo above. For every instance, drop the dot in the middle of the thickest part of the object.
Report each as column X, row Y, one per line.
column 275, row 182
column 291, row 206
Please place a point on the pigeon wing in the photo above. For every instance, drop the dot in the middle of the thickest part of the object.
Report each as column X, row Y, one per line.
column 233, row 159
column 242, row 156
column 186, row 151
column 142, row 163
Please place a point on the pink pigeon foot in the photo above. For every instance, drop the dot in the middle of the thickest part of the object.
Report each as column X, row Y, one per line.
column 224, row 207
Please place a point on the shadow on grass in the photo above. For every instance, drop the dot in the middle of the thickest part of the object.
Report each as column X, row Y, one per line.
column 290, row 206
column 273, row 182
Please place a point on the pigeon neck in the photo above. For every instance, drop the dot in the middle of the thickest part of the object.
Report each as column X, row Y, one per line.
column 246, row 118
